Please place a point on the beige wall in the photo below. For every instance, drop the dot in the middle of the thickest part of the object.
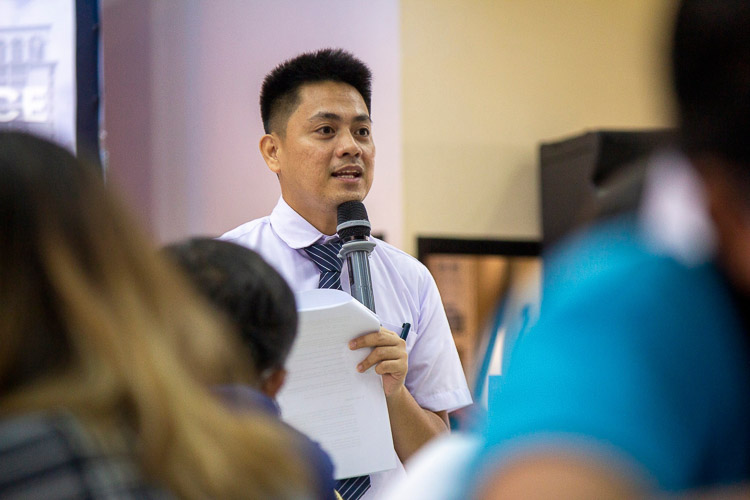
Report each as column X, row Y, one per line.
column 485, row 81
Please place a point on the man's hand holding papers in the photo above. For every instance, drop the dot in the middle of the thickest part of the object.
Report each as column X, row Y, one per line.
column 388, row 355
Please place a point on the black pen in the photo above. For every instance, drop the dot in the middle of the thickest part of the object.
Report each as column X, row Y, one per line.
column 405, row 330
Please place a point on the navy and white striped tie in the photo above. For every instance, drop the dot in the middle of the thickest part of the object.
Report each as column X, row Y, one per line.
column 352, row 488
column 326, row 257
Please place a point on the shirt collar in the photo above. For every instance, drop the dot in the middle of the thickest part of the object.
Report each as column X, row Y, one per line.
column 674, row 211
column 293, row 229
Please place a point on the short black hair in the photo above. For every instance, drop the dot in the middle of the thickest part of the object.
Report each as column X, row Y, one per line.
column 251, row 293
column 711, row 77
column 279, row 95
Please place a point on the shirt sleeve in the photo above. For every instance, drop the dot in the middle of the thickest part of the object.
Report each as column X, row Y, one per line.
column 435, row 379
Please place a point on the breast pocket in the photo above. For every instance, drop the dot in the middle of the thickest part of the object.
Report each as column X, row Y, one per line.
column 401, row 329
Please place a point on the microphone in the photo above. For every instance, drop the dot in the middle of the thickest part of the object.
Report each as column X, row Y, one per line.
column 353, row 228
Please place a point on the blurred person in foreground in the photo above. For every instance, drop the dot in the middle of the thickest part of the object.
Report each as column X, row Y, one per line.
column 636, row 378
column 106, row 361
column 257, row 300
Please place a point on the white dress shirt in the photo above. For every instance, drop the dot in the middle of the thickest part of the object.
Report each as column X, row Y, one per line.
column 404, row 292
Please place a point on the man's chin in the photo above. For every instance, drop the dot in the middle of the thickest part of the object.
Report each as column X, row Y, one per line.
column 343, row 197
column 351, row 197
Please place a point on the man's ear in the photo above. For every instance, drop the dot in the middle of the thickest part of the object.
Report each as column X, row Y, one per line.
column 269, row 148
column 725, row 204
column 273, row 382
column 731, row 218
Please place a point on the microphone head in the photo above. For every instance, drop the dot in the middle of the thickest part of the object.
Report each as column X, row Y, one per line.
column 352, row 220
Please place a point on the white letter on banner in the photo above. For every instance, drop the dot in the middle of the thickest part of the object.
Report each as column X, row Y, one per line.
column 35, row 103
column 10, row 95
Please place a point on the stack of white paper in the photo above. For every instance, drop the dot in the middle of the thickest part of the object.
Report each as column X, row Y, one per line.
column 325, row 397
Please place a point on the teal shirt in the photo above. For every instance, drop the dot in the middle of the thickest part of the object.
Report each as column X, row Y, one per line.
column 636, row 358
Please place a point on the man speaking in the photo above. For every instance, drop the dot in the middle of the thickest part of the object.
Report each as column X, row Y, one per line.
column 318, row 141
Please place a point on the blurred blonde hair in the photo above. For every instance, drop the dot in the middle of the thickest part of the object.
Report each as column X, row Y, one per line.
column 95, row 322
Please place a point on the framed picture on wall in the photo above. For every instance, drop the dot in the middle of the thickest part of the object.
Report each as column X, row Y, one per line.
column 488, row 289
column 49, row 71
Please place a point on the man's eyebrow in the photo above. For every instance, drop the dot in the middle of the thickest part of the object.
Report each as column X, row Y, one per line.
column 327, row 115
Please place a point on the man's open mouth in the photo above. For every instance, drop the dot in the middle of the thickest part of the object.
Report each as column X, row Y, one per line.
column 348, row 173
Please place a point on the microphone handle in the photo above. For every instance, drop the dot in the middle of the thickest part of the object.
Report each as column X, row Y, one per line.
column 360, row 281
column 357, row 253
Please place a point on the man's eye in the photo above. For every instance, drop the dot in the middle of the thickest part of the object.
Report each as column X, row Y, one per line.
column 363, row 132
column 325, row 130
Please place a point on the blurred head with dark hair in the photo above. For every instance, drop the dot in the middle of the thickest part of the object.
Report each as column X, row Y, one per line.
column 711, row 76
column 251, row 294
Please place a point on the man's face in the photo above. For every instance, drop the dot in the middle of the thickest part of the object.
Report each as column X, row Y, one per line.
column 326, row 156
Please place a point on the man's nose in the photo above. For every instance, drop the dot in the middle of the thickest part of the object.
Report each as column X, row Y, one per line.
column 348, row 145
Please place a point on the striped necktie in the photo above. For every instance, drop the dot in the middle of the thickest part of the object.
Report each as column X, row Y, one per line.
column 326, row 257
